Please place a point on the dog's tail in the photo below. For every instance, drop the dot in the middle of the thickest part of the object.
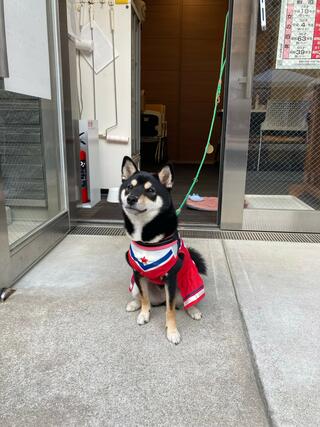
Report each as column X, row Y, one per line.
column 198, row 260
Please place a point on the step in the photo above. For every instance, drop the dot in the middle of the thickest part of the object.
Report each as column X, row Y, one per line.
column 277, row 287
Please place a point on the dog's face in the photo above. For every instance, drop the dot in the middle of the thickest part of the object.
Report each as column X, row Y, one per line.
column 143, row 194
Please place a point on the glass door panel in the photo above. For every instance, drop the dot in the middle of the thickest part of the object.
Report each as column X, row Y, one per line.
column 31, row 159
column 271, row 175
column 283, row 170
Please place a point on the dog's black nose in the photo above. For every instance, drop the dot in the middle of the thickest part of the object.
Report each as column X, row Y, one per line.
column 131, row 200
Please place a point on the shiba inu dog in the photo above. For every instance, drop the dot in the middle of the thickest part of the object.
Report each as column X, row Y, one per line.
column 164, row 269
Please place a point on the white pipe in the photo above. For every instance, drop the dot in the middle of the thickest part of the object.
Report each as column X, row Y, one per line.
column 112, row 27
column 91, row 18
column 81, row 23
column 84, row 45
column 91, row 13
column 111, row 11
column 117, row 139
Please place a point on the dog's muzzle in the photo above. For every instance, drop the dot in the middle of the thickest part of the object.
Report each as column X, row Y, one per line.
column 132, row 200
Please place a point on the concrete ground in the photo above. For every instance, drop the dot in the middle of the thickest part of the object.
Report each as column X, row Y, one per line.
column 72, row 356
column 278, row 290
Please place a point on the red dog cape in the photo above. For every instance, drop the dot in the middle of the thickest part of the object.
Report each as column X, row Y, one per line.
column 154, row 262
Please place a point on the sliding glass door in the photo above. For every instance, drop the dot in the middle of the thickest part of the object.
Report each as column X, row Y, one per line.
column 273, row 142
column 33, row 204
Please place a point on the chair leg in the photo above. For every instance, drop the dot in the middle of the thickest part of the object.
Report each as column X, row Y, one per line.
column 159, row 151
column 162, row 149
column 259, row 152
column 156, row 153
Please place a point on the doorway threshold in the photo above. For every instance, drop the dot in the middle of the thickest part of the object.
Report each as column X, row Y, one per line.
column 201, row 232
column 119, row 223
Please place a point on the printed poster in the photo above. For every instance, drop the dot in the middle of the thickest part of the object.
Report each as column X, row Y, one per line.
column 299, row 35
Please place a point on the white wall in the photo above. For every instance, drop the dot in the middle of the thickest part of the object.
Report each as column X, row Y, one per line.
column 111, row 154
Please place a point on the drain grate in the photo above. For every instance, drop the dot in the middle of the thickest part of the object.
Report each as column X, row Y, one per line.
column 91, row 230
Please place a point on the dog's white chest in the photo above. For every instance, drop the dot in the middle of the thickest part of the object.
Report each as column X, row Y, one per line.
column 139, row 222
column 137, row 233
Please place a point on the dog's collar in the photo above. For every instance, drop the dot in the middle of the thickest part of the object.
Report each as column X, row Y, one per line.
column 169, row 239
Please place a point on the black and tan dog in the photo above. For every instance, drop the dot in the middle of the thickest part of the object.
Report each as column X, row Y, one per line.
column 157, row 254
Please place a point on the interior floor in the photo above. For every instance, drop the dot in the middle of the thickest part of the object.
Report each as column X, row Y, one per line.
column 19, row 229
column 184, row 174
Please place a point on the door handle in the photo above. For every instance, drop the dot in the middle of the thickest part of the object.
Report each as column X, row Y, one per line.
column 263, row 15
column 242, row 80
column 4, row 70
column 247, row 80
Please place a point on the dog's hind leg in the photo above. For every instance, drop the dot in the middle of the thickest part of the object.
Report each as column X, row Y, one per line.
column 144, row 315
column 194, row 312
column 133, row 305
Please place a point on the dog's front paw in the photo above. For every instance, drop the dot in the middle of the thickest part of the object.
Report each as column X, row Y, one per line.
column 173, row 336
column 133, row 305
column 194, row 313
column 144, row 317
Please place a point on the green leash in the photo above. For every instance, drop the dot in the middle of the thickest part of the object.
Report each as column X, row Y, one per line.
column 217, row 101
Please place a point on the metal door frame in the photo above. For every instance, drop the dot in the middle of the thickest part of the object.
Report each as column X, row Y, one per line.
column 18, row 258
column 233, row 215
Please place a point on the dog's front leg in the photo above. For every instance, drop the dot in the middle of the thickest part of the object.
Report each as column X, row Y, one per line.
column 144, row 315
column 172, row 331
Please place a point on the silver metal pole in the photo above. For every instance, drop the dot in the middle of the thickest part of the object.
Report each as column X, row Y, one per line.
column 91, row 15
column 4, row 70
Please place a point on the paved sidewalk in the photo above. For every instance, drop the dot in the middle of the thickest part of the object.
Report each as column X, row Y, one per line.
column 72, row 356
column 278, row 288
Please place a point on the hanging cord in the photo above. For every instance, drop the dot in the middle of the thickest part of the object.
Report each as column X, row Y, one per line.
column 216, row 103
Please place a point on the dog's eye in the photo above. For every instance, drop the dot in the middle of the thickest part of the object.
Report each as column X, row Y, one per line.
column 151, row 190
column 130, row 187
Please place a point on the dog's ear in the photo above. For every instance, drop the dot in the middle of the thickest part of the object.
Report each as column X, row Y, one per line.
column 166, row 176
column 128, row 168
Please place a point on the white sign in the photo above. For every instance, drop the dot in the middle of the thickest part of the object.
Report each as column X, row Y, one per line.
column 102, row 48
column 27, row 48
column 299, row 35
